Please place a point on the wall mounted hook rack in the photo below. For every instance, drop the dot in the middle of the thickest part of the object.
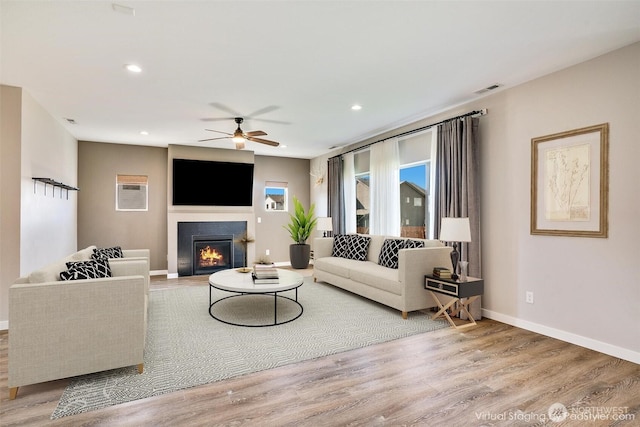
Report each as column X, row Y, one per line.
column 54, row 184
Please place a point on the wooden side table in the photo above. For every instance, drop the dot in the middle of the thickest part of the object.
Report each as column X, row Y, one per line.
column 455, row 291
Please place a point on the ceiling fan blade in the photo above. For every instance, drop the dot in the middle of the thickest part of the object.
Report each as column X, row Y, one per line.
column 255, row 133
column 226, row 109
column 278, row 122
column 264, row 141
column 226, row 133
column 213, row 139
column 264, row 110
column 217, row 119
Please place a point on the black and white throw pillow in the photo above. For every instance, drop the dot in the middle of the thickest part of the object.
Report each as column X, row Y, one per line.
column 408, row 244
column 340, row 245
column 93, row 269
column 358, row 247
column 113, row 252
column 389, row 253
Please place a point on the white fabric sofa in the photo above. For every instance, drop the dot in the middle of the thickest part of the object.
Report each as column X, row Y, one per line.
column 401, row 288
column 60, row 329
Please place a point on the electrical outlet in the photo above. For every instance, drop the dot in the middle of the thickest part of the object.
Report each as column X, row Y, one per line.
column 267, row 252
column 529, row 297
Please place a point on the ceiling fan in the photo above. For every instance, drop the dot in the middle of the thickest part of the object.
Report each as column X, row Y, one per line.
column 240, row 136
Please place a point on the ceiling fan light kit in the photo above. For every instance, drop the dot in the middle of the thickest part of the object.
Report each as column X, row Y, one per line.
column 239, row 137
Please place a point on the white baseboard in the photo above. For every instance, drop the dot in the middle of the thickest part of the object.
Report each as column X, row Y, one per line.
column 158, row 272
column 172, row 275
column 4, row 325
column 602, row 347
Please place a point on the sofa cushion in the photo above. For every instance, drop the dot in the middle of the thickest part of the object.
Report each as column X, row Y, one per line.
column 83, row 254
column 340, row 245
column 51, row 272
column 112, row 252
column 358, row 247
column 389, row 253
column 410, row 243
column 336, row 265
column 374, row 247
column 379, row 277
column 93, row 269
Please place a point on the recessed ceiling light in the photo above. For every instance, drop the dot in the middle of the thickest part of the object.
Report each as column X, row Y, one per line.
column 133, row 68
column 144, row 132
column 356, row 107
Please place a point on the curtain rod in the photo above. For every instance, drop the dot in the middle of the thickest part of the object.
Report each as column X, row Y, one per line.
column 409, row 132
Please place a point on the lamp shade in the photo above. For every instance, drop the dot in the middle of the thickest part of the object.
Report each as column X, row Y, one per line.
column 324, row 224
column 455, row 230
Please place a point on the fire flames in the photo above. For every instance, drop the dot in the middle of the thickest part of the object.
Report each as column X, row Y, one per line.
column 209, row 257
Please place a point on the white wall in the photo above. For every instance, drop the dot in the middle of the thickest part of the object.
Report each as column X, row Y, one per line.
column 586, row 290
column 35, row 229
column 48, row 226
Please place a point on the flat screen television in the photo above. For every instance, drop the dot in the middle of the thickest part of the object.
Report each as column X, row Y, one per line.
column 212, row 183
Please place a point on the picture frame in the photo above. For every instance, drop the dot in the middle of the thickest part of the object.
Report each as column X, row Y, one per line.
column 570, row 183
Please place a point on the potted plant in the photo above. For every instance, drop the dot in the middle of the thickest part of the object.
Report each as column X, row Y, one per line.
column 300, row 228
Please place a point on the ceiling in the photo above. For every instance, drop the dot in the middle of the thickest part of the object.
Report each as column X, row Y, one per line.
column 292, row 68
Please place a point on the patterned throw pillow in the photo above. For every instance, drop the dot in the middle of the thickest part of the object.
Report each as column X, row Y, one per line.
column 340, row 245
column 408, row 244
column 358, row 247
column 389, row 253
column 113, row 252
column 94, row 269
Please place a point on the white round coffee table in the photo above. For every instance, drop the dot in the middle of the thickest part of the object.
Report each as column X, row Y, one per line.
column 241, row 284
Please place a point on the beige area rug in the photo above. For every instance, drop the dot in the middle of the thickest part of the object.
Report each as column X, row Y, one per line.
column 186, row 347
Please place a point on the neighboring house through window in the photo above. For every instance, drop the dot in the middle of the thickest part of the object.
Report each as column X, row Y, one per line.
column 275, row 196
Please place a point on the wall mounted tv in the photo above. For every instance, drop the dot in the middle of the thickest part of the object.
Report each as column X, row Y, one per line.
column 211, row 183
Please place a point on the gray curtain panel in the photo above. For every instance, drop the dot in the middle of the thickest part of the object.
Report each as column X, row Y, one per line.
column 458, row 186
column 457, row 182
column 335, row 194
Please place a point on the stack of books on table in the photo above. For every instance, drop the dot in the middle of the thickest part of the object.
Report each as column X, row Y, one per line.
column 264, row 274
column 442, row 273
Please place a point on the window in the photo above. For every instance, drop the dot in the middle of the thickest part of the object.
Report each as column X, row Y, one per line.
column 416, row 186
column 275, row 196
column 132, row 193
column 362, row 203
column 413, row 184
column 361, row 169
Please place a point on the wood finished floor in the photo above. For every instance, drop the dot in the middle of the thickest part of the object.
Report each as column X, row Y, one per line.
column 489, row 375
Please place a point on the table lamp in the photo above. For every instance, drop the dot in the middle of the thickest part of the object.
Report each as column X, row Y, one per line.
column 324, row 224
column 455, row 230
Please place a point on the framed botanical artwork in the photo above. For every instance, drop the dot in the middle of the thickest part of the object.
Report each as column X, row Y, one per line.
column 570, row 183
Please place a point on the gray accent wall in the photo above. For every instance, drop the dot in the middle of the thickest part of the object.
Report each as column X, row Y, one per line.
column 98, row 221
column 100, row 224
column 10, row 120
column 270, row 232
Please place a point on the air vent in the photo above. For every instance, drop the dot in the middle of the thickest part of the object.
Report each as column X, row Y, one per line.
column 488, row 88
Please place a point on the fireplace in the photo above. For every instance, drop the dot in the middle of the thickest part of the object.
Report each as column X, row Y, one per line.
column 208, row 246
column 212, row 253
